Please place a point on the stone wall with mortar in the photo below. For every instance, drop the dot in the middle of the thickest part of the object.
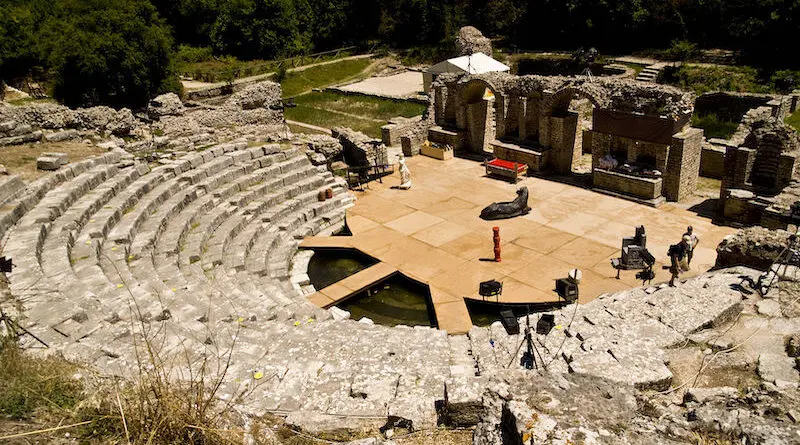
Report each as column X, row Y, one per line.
column 645, row 188
column 683, row 166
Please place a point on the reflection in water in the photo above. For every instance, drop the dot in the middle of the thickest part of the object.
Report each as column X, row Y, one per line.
column 328, row 266
column 398, row 300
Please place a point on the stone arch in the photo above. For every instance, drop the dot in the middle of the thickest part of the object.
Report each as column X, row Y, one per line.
column 560, row 100
column 559, row 127
column 481, row 112
column 475, row 89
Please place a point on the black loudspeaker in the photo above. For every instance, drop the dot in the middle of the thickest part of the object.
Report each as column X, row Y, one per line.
column 567, row 289
column 5, row 264
column 545, row 324
column 490, row 288
column 510, row 322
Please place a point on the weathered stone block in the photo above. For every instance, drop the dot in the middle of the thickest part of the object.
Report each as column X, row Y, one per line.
column 62, row 157
column 48, row 163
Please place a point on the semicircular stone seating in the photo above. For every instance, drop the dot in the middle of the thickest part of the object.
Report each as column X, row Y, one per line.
column 196, row 256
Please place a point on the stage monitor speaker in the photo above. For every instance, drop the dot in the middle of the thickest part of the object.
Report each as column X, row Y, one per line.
column 510, row 322
column 567, row 289
column 545, row 324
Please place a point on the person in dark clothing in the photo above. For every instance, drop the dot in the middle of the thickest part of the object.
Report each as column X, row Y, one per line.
column 676, row 253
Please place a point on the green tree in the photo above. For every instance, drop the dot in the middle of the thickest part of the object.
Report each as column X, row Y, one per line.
column 18, row 43
column 262, row 29
column 118, row 52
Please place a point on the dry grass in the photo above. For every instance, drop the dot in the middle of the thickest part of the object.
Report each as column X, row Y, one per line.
column 21, row 159
column 437, row 437
column 710, row 439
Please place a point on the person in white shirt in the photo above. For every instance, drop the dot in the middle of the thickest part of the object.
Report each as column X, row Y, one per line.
column 692, row 243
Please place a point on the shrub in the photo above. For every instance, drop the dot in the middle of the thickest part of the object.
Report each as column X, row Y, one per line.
column 702, row 79
column 785, row 81
column 713, row 126
column 192, row 54
column 681, row 50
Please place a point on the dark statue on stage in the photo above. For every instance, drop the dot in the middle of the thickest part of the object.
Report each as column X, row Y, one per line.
column 504, row 210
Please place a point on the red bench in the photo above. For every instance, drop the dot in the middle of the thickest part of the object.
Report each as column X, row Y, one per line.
column 506, row 169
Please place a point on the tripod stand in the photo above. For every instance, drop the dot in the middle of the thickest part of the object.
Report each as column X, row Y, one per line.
column 13, row 327
column 790, row 255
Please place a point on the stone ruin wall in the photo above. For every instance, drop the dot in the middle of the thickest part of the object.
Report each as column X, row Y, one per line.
column 745, row 108
column 760, row 181
column 167, row 123
column 534, row 111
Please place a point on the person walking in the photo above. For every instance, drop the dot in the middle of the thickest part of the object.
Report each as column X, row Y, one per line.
column 691, row 243
column 677, row 255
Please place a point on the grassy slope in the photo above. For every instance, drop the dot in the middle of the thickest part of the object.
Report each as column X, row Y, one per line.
column 299, row 82
column 794, row 120
column 376, row 108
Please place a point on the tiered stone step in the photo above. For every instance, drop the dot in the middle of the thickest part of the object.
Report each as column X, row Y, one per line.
column 650, row 73
column 618, row 336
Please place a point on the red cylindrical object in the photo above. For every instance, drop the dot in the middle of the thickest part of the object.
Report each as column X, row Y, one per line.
column 496, row 239
column 329, row 193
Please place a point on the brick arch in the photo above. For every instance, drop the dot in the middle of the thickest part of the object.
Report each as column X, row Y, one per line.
column 474, row 90
column 561, row 99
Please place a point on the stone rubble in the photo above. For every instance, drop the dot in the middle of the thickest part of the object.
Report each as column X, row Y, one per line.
column 359, row 149
column 165, row 105
column 470, row 40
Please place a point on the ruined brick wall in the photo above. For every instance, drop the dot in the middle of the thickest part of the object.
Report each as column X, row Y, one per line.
column 397, row 128
column 536, row 161
column 645, row 188
column 683, row 164
column 712, row 161
column 604, row 143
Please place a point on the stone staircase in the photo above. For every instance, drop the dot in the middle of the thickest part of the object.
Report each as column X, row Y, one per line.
column 649, row 74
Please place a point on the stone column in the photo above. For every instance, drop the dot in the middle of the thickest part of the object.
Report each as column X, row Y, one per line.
column 562, row 141
column 683, row 164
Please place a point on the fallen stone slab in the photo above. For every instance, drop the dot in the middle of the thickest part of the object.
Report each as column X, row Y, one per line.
column 48, row 163
column 770, row 308
column 62, row 157
column 59, row 136
column 22, row 139
column 704, row 395
column 778, row 369
column 9, row 187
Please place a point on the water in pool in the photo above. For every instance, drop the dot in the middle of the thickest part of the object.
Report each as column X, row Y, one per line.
column 398, row 300
column 328, row 266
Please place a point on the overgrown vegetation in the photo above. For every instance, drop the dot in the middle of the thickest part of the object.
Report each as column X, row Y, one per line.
column 171, row 400
column 328, row 119
column 31, row 386
column 705, row 78
column 298, row 82
column 713, row 126
column 381, row 109
column 794, row 120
